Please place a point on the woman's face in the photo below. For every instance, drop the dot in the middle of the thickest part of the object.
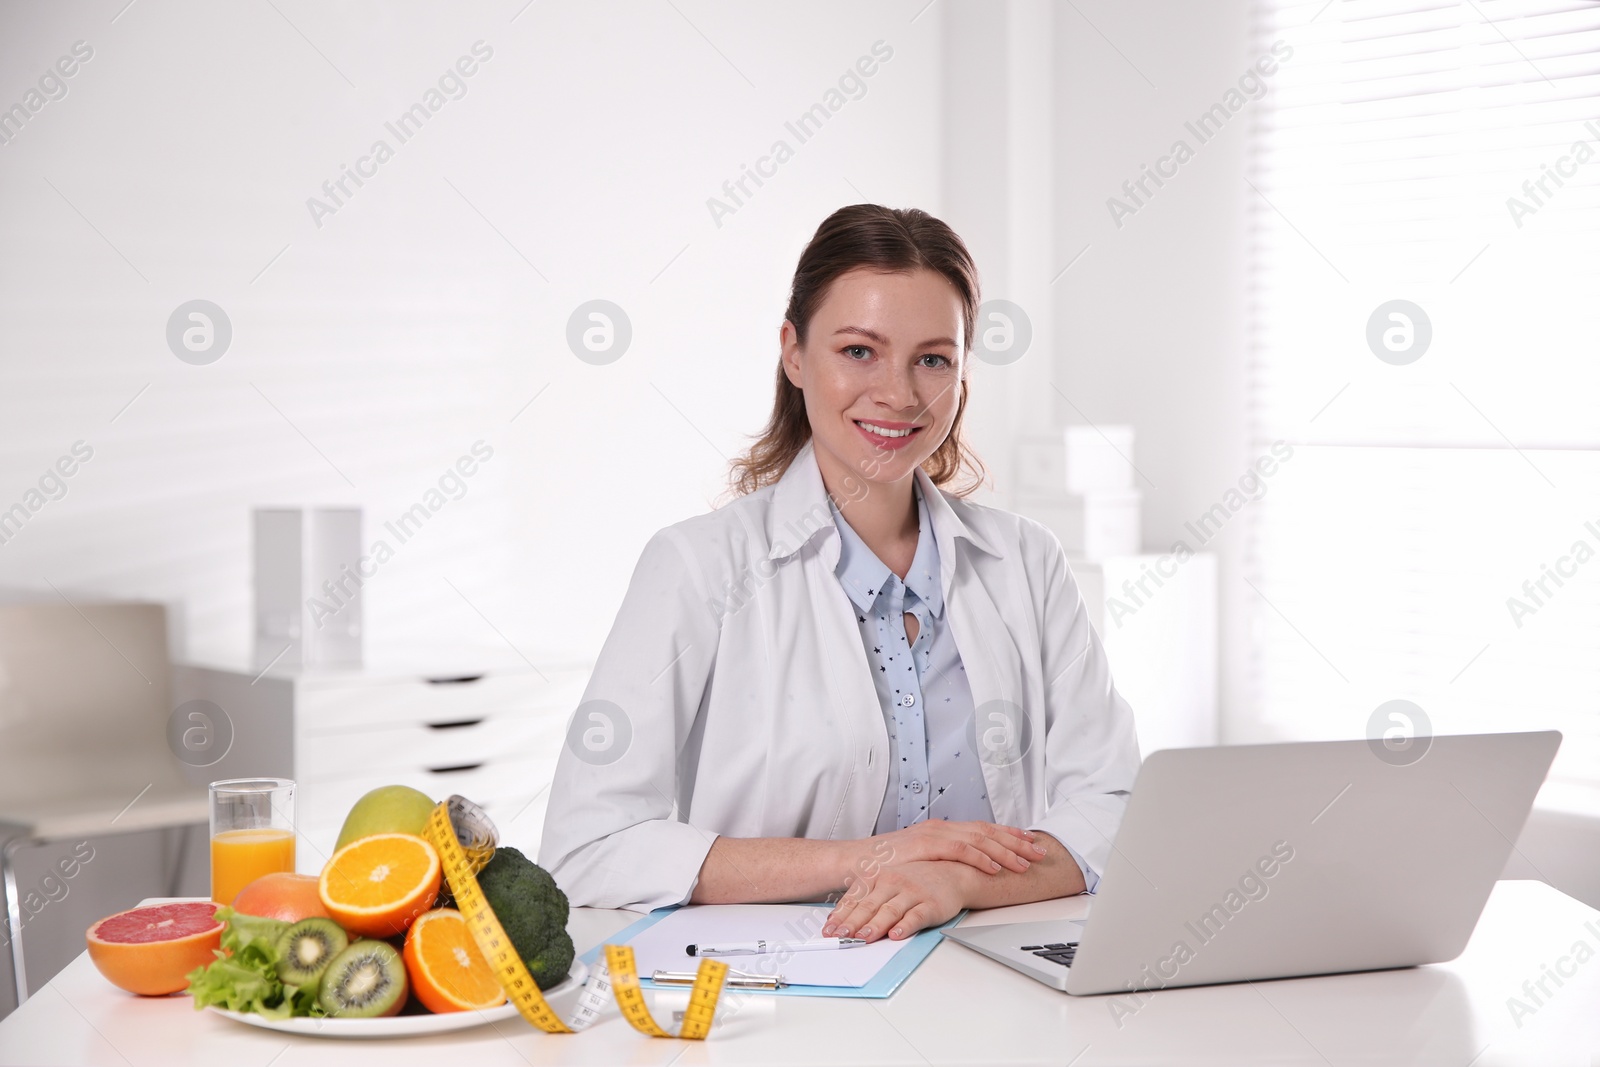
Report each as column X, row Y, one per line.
column 881, row 371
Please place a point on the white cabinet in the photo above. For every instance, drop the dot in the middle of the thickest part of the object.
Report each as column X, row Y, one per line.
column 475, row 723
column 1157, row 617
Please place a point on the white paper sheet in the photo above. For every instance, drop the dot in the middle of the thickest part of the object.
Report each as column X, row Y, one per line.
column 661, row 947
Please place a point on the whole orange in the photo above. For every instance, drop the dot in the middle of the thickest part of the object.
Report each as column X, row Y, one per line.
column 290, row 897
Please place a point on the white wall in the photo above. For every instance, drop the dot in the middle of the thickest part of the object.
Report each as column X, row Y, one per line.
column 406, row 327
column 1150, row 318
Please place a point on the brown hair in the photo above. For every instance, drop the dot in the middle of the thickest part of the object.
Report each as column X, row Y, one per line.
column 892, row 240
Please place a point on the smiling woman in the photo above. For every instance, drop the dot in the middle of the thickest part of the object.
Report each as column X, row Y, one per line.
column 931, row 273
column 905, row 703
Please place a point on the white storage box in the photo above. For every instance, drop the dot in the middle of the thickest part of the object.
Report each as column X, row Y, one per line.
column 307, row 586
column 1157, row 617
column 1090, row 525
column 1099, row 458
column 1041, row 467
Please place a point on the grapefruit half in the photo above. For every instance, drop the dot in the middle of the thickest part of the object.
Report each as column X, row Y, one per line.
column 150, row 950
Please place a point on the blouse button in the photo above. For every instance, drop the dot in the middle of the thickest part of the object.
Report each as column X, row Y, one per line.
column 916, row 787
column 907, row 700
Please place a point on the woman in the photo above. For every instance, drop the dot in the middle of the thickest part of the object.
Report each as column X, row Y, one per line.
column 849, row 678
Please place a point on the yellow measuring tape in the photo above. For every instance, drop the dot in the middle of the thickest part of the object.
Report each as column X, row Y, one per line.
column 465, row 839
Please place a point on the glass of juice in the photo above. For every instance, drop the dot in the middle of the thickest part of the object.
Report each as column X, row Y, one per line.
column 252, row 832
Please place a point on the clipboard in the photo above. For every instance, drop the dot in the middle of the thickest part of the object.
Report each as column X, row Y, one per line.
column 888, row 979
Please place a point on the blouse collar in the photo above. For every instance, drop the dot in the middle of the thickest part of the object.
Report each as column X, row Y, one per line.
column 801, row 510
column 864, row 576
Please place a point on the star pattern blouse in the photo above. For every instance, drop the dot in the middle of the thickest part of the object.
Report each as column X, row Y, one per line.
column 934, row 770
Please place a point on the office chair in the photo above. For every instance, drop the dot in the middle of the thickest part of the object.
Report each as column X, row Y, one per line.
column 84, row 703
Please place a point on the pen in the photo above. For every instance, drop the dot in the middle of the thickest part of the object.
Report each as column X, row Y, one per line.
column 757, row 948
column 735, row 980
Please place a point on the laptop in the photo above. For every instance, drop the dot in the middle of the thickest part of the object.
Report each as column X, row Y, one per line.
column 1274, row 861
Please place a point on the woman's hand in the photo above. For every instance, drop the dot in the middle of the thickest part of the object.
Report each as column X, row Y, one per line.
column 984, row 846
column 899, row 900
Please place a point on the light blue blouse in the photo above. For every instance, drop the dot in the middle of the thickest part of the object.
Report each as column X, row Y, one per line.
column 934, row 769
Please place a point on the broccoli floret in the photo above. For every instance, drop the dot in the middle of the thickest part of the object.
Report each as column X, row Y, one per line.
column 533, row 910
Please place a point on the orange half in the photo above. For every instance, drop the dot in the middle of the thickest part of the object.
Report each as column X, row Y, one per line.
column 447, row 971
column 377, row 886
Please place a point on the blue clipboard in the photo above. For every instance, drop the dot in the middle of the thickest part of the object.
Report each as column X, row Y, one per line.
column 883, row 984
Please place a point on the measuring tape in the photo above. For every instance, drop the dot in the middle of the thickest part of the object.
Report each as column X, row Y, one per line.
column 702, row 998
column 465, row 839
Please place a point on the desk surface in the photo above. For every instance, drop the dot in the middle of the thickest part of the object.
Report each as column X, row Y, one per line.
column 959, row 1007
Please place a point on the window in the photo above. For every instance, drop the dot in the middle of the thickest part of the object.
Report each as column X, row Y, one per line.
column 1436, row 535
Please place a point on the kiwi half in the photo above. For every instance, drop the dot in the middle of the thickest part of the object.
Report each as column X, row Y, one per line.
column 306, row 949
column 366, row 980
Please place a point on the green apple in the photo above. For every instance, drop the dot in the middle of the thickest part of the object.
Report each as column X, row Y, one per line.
column 389, row 809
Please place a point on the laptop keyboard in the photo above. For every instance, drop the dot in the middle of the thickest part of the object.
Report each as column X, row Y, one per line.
column 1055, row 952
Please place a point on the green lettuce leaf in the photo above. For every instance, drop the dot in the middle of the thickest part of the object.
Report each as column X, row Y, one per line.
column 244, row 976
column 247, row 931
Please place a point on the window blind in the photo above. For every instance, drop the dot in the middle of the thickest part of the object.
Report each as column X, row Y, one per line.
column 1436, row 536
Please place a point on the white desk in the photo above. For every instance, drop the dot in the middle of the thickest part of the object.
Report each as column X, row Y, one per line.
column 958, row 1008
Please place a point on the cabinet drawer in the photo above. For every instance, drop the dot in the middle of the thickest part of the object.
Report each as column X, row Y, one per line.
column 409, row 746
column 336, row 708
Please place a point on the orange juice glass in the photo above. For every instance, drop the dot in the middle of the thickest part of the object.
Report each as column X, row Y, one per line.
column 252, row 832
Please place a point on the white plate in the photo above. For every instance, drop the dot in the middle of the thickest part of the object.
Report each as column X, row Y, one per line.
column 405, row 1025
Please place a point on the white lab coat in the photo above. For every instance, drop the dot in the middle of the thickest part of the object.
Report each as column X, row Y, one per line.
column 740, row 701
